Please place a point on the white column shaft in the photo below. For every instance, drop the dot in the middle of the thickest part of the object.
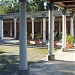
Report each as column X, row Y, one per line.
column 15, row 28
column 63, row 31
column 11, row 29
column 44, row 29
column 59, row 28
column 23, row 36
column 41, row 27
column 72, row 28
column 32, row 28
column 51, row 34
column 1, row 29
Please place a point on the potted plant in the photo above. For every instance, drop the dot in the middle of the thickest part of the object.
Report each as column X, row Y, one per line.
column 37, row 38
column 69, row 41
column 28, row 38
column 55, row 40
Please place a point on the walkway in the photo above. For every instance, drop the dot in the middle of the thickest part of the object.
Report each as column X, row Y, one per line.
column 63, row 65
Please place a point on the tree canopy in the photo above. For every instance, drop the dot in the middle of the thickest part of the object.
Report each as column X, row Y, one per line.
column 36, row 5
column 9, row 6
column 12, row 6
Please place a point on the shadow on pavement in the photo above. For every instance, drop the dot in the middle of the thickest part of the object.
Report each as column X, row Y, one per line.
column 8, row 64
column 57, row 67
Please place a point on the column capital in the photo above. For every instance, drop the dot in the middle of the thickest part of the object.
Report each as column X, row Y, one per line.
column 71, row 15
column 50, row 6
column 44, row 15
column 15, row 18
column 63, row 11
column 32, row 18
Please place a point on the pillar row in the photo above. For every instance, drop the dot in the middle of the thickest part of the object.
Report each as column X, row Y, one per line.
column 1, row 28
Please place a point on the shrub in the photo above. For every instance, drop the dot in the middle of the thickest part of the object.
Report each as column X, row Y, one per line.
column 70, row 39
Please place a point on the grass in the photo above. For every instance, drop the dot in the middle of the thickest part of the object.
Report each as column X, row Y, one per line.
column 9, row 58
column 2, row 51
column 36, row 54
column 33, row 54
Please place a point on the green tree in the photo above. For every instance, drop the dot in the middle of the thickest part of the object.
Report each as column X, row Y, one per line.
column 9, row 6
column 36, row 5
column 12, row 6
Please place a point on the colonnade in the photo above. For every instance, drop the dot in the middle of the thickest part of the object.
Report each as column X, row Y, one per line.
column 44, row 27
column 2, row 30
column 23, row 67
column 23, row 44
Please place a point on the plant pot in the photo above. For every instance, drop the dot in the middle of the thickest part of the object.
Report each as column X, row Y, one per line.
column 55, row 43
column 37, row 41
column 28, row 41
column 69, row 45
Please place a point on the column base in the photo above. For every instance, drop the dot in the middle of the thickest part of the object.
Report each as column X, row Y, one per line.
column 23, row 72
column 64, row 49
column 51, row 57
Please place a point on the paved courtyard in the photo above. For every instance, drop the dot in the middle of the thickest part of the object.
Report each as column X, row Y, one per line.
column 64, row 63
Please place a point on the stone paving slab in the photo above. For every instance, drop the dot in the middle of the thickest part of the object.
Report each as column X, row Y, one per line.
column 64, row 64
column 53, row 68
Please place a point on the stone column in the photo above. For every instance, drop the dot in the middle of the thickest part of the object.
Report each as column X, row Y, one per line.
column 51, row 55
column 71, row 25
column 23, row 67
column 10, row 28
column 32, row 27
column 63, row 29
column 44, row 28
column 59, row 27
column 15, row 27
column 41, row 28
column 1, row 28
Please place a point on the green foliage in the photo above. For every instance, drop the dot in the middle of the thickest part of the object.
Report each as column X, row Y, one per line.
column 30, row 35
column 37, row 36
column 3, row 9
column 55, row 38
column 36, row 5
column 31, row 6
column 6, row 6
column 70, row 39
